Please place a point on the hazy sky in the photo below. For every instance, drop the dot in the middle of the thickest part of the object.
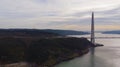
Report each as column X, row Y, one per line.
column 60, row 14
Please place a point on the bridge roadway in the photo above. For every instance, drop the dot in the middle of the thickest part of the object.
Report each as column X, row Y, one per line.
column 104, row 37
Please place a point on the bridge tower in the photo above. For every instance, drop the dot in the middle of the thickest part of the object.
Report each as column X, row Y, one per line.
column 92, row 29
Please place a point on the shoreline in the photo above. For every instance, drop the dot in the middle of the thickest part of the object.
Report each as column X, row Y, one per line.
column 27, row 64
column 70, row 58
column 57, row 50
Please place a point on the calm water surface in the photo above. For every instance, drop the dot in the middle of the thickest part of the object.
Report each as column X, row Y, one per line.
column 107, row 56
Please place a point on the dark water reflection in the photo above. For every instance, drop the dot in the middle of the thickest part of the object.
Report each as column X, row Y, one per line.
column 92, row 57
column 96, row 61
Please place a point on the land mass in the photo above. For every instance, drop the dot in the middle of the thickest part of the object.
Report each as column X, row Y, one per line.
column 112, row 32
column 66, row 32
column 44, row 50
column 39, row 32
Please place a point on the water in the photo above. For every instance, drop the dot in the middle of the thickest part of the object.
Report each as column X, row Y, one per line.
column 106, row 56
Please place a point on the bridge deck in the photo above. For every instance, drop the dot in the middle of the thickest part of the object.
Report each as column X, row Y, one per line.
column 104, row 37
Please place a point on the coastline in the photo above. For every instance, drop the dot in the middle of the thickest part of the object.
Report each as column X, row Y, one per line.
column 26, row 64
column 67, row 49
column 66, row 59
column 79, row 55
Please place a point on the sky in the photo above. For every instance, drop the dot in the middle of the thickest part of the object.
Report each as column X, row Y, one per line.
column 60, row 14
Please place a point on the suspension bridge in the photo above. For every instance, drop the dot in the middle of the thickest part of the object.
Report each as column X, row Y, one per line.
column 93, row 32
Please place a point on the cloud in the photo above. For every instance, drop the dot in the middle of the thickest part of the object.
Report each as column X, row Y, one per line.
column 108, row 27
column 62, row 14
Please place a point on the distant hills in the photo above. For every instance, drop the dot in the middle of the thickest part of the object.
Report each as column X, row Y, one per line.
column 112, row 32
column 26, row 33
column 39, row 32
column 66, row 32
